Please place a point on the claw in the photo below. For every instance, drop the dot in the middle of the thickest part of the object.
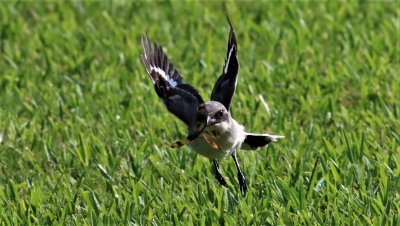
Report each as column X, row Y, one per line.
column 242, row 180
column 221, row 180
column 242, row 183
column 218, row 174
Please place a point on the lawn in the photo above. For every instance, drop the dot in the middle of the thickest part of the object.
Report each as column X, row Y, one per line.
column 84, row 139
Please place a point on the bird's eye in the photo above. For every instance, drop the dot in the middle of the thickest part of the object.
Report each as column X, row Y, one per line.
column 219, row 114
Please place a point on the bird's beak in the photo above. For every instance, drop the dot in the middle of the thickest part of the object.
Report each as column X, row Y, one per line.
column 208, row 120
column 202, row 113
column 211, row 121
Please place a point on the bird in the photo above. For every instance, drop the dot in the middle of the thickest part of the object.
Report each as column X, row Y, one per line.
column 212, row 132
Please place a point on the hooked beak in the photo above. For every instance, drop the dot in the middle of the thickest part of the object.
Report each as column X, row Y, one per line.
column 211, row 121
column 202, row 113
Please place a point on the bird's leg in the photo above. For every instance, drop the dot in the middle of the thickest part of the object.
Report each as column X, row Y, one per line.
column 218, row 174
column 242, row 180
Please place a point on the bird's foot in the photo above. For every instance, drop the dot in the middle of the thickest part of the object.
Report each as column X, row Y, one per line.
column 242, row 183
column 221, row 179
column 218, row 174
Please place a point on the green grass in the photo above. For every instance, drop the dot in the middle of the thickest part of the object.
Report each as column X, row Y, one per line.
column 85, row 140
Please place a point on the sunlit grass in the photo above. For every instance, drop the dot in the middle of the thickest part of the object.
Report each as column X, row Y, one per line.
column 85, row 140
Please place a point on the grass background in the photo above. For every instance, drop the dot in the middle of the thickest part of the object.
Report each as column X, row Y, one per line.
column 84, row 138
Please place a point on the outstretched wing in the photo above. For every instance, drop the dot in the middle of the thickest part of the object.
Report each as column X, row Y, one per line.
column 226, row 84
column 180, row 99
column 255, row 141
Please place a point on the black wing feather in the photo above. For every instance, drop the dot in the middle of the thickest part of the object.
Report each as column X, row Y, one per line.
column 255, row 141
column 226, row 84
column 181, row 99
column 155, row 58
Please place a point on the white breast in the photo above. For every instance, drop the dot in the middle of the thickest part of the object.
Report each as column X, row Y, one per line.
column 228, row 135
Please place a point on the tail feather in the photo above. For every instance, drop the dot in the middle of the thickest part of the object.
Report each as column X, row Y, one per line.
column 254, row 141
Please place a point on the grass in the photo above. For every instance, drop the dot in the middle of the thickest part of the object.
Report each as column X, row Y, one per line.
column 84, row 138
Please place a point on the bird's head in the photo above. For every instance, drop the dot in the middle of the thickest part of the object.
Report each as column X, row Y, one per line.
column 212, row 113
column 209, row 115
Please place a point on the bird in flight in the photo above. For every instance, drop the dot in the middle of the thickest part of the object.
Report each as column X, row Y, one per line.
column 212, row 131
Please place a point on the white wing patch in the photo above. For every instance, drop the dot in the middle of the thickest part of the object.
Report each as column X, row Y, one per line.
column 228, row 59
column 167, row 77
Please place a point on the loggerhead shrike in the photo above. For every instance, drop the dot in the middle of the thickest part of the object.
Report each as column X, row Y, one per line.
column 213, row 133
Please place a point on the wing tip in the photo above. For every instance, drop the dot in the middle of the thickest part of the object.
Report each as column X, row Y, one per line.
column 229, row 20
column 145, row 57
column 232, row 35
column 154, row 58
